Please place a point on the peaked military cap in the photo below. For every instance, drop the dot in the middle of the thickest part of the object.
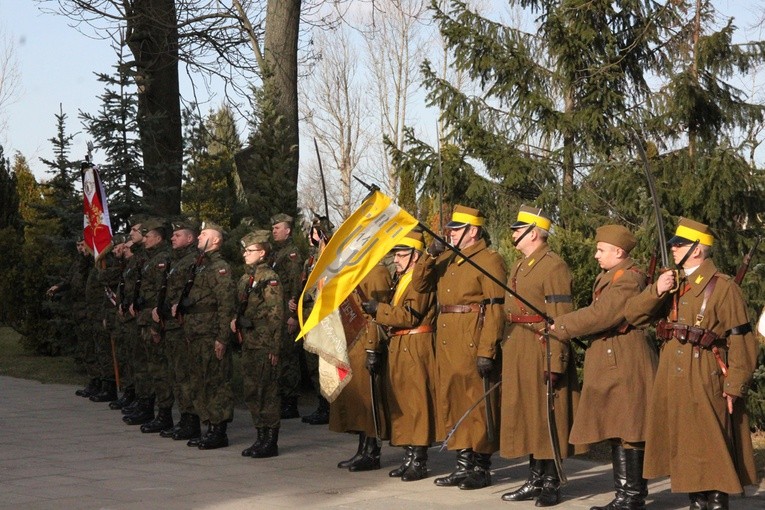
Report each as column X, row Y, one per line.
column 616, row 235
column 136, row 219
column 463, row 216
column 186, row 224
column 119, row 239
column 413, row 240
column 532, row 215
column 209, row 225
column 689, row 231
column 281, row 218
column 152, row 224
column 256, row 237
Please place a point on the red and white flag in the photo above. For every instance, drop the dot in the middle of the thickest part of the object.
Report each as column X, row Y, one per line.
column 97, row 227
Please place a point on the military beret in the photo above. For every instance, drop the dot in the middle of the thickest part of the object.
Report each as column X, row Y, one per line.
column 209, row 225
column 462, row 216
column 186, row 224
column 281, row 218
column 152, row 224
column 689, row 231
column 413, row 240
column 256, row 237
column 531, row 215
column 616, row 235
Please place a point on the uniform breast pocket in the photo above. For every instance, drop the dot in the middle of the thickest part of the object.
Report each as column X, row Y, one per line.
column 610, row 353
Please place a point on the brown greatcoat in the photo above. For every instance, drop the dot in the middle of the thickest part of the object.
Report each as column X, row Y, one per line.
column 688, row 429
column 544, row 280
column 461, row 338
column 411, row 366
column 351, row 411
column 619, row 365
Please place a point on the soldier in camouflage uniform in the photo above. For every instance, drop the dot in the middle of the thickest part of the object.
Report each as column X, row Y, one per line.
column 125, row 328
column 288, row 264
column 185, row 253
column 206, row 314
column 93, row 328
column 258, row 328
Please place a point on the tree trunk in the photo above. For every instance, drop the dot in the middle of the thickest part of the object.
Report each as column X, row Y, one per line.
column 153, row 40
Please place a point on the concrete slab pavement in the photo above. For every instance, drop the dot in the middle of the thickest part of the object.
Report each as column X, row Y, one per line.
column 60, row 451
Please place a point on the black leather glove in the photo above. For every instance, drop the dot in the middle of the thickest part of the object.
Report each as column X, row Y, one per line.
column 436, row 248
column 484, row 366
column 554, row 377
column 370, row 307
column 374, row 362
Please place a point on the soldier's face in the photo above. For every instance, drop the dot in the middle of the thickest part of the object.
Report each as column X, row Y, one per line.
column 280, row 231
column 679, row 251
column 135, row 234
column 151, row 239
column 181, row 239
column 607, row 255
column 404, row 260
column 208, row 239
column 253, row 254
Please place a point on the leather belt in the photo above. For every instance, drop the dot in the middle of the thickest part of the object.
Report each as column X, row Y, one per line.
column 471, row 308
column 523, row 319
column 413, row 331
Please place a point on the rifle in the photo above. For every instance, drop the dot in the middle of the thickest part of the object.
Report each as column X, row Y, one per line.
column 183, row 300
column 162, row 307
column 244, row 300
column 121, row 289
column 746, row 261
column 136, row 304
column 651, row 273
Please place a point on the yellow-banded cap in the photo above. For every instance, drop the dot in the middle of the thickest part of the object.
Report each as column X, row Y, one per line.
column 528, row 215
column 413, row 240
column 689, row 231
column 463, row 216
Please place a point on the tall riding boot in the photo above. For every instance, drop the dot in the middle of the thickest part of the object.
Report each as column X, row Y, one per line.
column 370, row 457
column 270, row 447
column 217, row 437
column 194, row 441
column 289, row 408
column 108, row 392
column 170, row 432
column 550, row 494
column 408, row 457
column 418, row 469
column 533, row 486
column 698, row 500
column 480, row 477
column 90, row 389
column 345, row 464
column 619, row 463
column 636, row 487
column 321, row 415
column 164, row 420
column 127, row 398
column 464, row 467
column 717, row 500
column 190, row 428
column 260, row 438
column 144, row 412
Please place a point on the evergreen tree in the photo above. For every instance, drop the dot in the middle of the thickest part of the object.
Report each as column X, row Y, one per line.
column 10, row 240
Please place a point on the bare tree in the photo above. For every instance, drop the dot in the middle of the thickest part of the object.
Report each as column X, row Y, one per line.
column 10, row 79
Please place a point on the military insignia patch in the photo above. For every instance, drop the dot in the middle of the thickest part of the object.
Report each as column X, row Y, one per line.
column 293, row 255
column 161, row 265
column 222, row 271
column 273, row 283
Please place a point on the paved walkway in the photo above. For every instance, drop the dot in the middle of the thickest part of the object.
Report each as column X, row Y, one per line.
column 60, row 451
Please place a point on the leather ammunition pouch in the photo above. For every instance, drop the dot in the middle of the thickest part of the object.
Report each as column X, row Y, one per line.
column 684, row 333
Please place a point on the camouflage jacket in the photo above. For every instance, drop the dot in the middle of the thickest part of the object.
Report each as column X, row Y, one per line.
column 288, row 264
column 152, row 277
column 264, row 314
column 212, row 301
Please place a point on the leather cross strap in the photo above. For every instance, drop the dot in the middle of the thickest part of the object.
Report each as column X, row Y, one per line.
column 471, row 308
column 523, row 319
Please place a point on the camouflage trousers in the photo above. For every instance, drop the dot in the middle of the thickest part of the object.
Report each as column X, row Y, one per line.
column 289, row 366
column 210, row 380
column 85, row 352
column 178, row 357
column 123, row 334
column 261, row 388
column 137, row 353
column 105, row 350
column 160, row 378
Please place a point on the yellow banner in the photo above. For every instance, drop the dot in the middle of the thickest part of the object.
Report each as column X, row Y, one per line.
column 357, row 246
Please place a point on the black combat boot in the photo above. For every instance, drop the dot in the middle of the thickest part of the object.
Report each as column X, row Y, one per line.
column 550, row 494
column 108, row 392
column 217, row 437
column 131, row 407
column 93, row 387
column 408, row 457
column 196, row 440
column 464, row 467
column 717, row 500
column 418, row 468
column 480, row 476
column 170, row 432
column 533, row 486
column 698, row 501
column 289, row 409
column 259, row 440
column 127, row 398
column 163, row 421
column 189, row 429
column 321, row 415
column 270, row 447
column 144, row 412
column 370, row 457
column 345, row 464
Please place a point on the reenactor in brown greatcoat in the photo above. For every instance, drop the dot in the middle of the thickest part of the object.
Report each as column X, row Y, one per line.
column 351, row 411
column 411, row 364
column 619, row 367
column 697, row 430
column 469, row 329
column 543, row 279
